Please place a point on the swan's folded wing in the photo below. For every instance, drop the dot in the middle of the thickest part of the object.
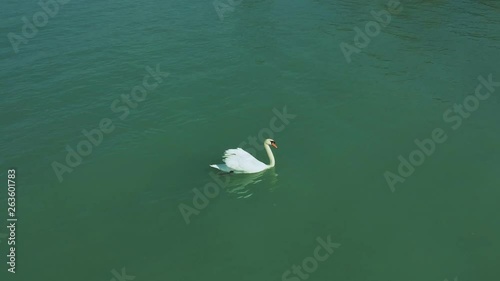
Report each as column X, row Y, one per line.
column 241, row 161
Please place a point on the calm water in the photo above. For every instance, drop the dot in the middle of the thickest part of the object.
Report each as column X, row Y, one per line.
column 119, row 208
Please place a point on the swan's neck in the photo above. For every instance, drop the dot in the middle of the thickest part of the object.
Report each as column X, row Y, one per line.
column 270, row 155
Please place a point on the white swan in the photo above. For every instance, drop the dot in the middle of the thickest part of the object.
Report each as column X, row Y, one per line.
column 241, row 162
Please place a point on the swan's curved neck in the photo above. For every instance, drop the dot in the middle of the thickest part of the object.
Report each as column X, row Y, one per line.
column 270, row 155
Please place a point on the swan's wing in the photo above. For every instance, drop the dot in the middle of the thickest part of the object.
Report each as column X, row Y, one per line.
column 241, row 161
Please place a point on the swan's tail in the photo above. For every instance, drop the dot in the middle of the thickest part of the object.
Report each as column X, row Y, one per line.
column 222, row 167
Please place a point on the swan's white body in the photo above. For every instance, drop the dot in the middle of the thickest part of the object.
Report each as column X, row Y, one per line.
column 241, row 162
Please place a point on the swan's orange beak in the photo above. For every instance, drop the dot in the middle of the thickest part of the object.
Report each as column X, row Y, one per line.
column 274, row 144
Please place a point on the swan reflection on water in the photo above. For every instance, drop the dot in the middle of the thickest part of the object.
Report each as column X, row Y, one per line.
column 244, row 185
column 235, row 185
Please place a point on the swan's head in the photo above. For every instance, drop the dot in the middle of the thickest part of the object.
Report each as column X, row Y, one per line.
column 271, row 142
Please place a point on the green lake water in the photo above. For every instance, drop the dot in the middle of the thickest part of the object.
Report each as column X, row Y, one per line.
column 230, row 80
